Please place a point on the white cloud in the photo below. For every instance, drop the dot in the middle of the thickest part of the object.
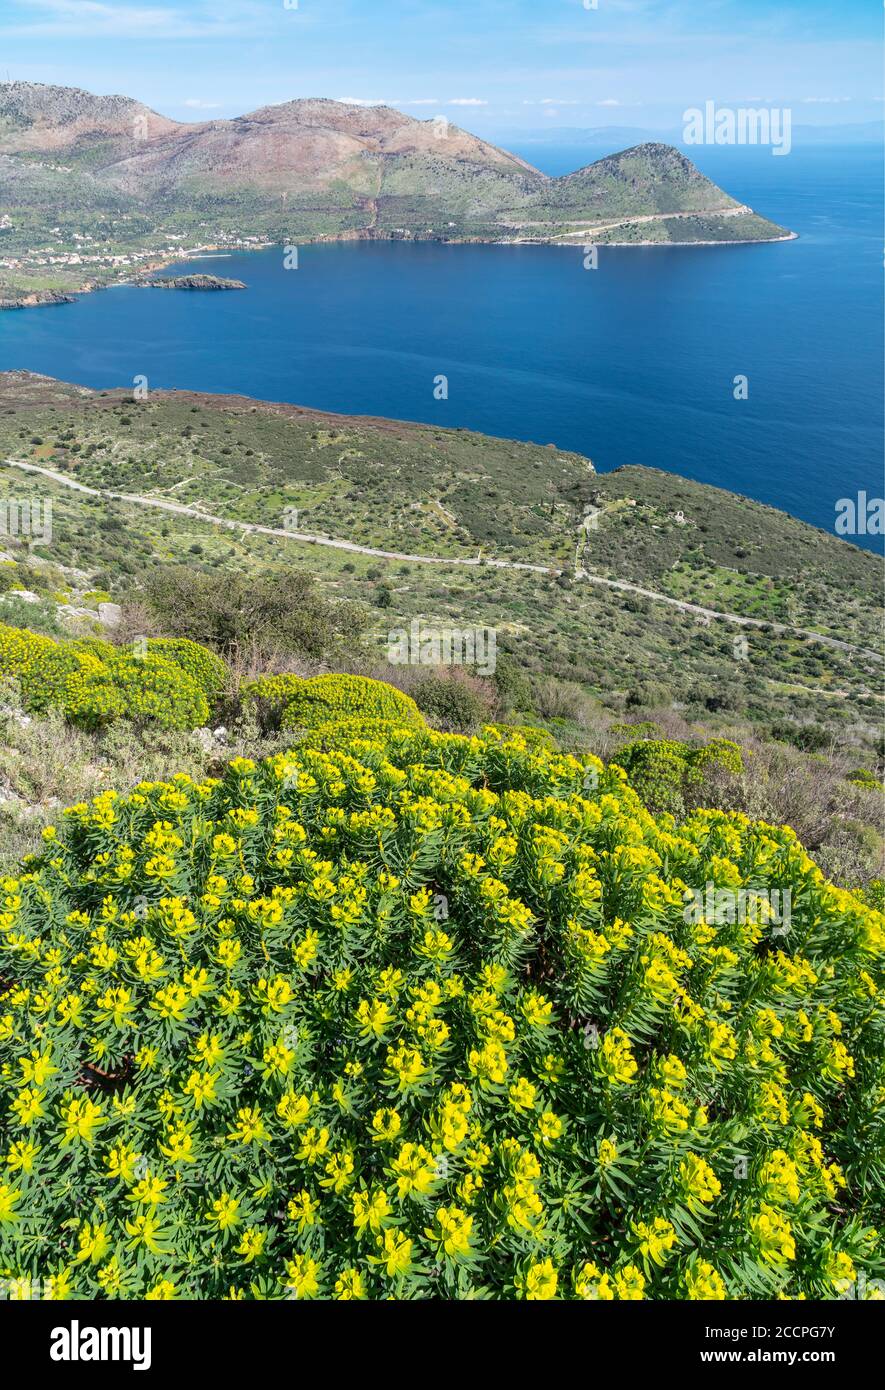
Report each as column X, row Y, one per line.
column 95, row 19
column 197, row 104
column 468, row 101
column 610, row 101
column 824, row 101
column 365, row 101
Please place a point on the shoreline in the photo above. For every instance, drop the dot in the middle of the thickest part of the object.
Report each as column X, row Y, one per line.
column 30, row 299
column 663, row 245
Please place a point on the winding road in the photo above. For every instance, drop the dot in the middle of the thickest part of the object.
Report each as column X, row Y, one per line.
column 309, row 538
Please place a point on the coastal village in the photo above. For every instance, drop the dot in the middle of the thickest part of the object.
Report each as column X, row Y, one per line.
column 101, row 254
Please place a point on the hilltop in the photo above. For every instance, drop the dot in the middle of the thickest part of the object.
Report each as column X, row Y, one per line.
column 91, row 185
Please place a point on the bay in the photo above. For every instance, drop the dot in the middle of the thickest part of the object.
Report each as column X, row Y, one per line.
column 631, row 363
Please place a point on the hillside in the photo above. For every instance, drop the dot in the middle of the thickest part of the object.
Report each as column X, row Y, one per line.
column 374, row 504
column 91, row 185
column 650, row 192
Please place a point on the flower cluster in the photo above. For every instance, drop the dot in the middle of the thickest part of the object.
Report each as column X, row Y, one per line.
column 170, row 684
column 44, row 672
column 203, row 666
column 409, row 1015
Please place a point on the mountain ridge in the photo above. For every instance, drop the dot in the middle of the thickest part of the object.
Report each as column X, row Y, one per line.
column 107, row 182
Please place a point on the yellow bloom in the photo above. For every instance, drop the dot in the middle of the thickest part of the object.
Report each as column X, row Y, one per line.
column 82, row 1117
column 9, row 1197
column 549, row 1128
column 251, row 1244
column 22, row 1153
column 395, row 1253
column 629, row 1284
column 303, row 1210
column 539, row 1282
column 223, row 1212
column 656, row 1238
column 349, row 1286
column 314, row 1143
column 773, row 1235
column 200, row 1086
column 371, row 1210
column 339, row 1172
column 522, row 1094
column 302, row 1277
column 293, row 1109
column 94, row 1243
column 617, row 1061
column 698, row 1180
column 250, row 1127
column 163, row 1291
column 704, row 1283
column 414, row 1169
column 452, row 1232
column 386, row 1125
column 150, row 1191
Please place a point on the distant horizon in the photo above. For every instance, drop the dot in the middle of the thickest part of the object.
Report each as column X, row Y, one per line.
column 873, row 127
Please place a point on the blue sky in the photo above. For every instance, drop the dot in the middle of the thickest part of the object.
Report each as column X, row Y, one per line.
column 488, row 64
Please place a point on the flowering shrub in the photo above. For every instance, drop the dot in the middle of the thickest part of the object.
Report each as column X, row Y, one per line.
column 146, row 688
column 43, row 672
column 416, row 1016
column 95, row 646
column 203, row 666
column 95, row 682
column 533, row 737
column 303, row 704
column 665, row 772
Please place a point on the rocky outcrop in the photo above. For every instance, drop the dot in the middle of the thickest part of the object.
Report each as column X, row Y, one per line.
column 193, row 282
column 31, row 298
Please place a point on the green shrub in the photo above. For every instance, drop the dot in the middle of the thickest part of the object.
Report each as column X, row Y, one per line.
column 203, row 666
column 643, row 728
column 512, row 684
column 296, row 703
column 667, row 774
column 862, row 777
column 874, row 894
column 277, row 613
column 43, row 671
column 95, row 646
column 343, row 733
column 96, row 683
column 534, row 738
column 650, row 695
column 454, row 699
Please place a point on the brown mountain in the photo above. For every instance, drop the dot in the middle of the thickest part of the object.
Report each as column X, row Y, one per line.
column 314, row 167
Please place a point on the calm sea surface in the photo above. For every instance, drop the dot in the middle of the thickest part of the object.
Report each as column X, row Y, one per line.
column 631, row 363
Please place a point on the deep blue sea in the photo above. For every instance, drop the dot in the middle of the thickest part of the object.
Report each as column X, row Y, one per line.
column 633, row 362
